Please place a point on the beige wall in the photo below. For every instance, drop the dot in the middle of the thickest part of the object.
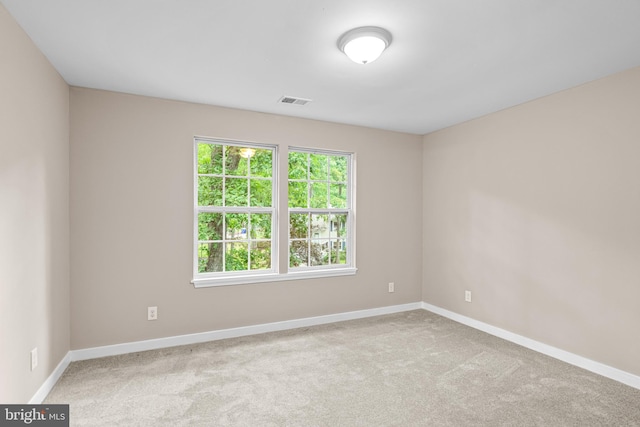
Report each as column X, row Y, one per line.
column 536, row 210
column 34, row 214
column 131, row 220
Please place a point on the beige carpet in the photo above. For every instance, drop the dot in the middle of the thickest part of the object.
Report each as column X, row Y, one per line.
column 407, row 369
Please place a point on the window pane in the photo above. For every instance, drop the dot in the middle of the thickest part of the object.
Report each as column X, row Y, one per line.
column 237, row 256
column 260, row 255
column 297, row 165
column 298, row 253
column 261, row 226
column 319, row 252
column 236, row 226
column 209, row 191
column 236, row 164
column 209, row 257
column 338, row 168
column 338, row 195
column 338, row 252
column 333, row 226
column 298, row 194
column 319, row 195
column 210, row 159
column 209, row 226
column 236, row 191
column 341, row 225
column 261, row 163
column 260, row 192
column 318, row 167
column 319, row 226
column 299, row 226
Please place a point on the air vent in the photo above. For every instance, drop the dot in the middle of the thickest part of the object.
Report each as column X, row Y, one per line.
column 292, row 100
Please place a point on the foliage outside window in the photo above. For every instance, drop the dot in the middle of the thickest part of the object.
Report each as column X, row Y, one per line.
column 319, row 198
column 235, row 212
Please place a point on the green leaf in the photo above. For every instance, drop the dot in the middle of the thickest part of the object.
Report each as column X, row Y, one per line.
column 297, row 165
column 237, row 256
column 210, row 158
column 298, row 195
column 261, row 192
column 209, row 226
column 262, row 163
column 318, row 167
column 236, row 192
column 319, row 195
column 338, row 168
column 209, row 191
column 260, row 226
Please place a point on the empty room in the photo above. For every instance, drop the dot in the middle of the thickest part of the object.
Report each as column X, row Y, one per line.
column 314, row 213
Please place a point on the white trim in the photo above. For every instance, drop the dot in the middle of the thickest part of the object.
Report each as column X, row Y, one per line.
column 132, row 347
column 206, row 282
column 349, row 210
column 309, row 150
column 565, row 356
column 325, row 271
column 206, row 277
column 51, row 381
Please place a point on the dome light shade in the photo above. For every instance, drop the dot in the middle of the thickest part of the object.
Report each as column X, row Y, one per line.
column 364, row 44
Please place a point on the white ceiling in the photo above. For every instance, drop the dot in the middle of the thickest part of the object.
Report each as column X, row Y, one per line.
column 450, row 60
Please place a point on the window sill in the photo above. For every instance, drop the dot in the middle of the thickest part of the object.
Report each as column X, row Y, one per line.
column 207, row 282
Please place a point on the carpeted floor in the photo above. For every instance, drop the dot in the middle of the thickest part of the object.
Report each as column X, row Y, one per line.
column 408, row 369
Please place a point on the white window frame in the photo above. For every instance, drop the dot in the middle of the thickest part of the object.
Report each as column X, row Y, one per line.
column 243, row 276
column 348, row 210
column 280, row 218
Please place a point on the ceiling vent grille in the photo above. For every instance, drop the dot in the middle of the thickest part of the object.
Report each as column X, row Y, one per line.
column 292, row 100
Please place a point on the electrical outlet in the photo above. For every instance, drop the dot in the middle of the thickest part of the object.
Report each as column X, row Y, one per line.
column 34, row 359
column 467, row 296
column 392, row 287
column 152, row 313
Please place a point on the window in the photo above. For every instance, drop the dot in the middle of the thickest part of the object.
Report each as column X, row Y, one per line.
column 319, row 209
column 235, row 209
column 236, row 215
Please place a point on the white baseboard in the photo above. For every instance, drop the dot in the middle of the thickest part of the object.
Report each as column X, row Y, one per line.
column 556, row 353
column 46, row 387
column 132, row 347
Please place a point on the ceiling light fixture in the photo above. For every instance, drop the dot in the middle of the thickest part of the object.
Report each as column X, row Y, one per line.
column 364, row 44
